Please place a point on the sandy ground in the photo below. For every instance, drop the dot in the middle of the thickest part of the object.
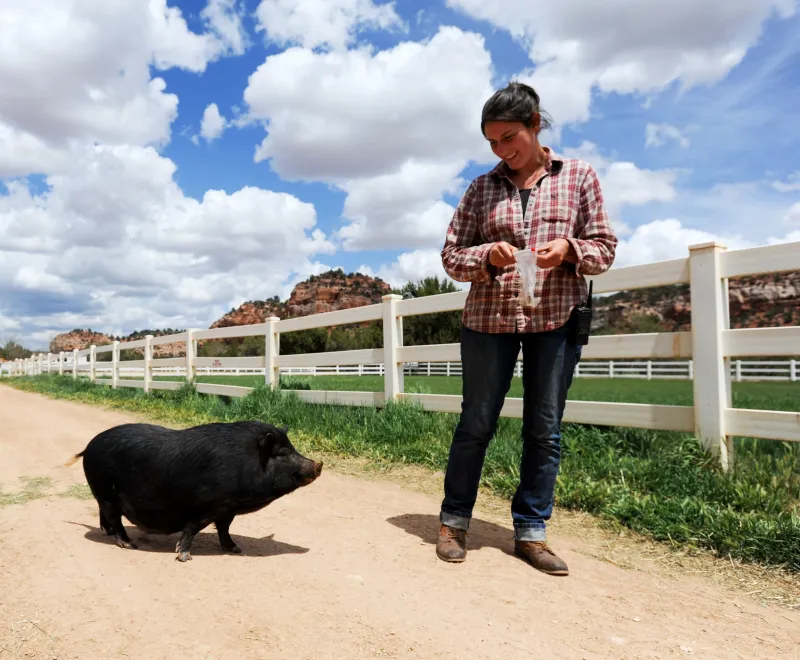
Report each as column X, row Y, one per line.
column 344, row 568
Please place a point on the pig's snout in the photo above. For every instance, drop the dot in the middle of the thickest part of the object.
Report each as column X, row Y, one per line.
column 310, row 471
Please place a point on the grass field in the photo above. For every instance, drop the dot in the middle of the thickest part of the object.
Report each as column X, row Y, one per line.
column 660, row 484
column 766, row 395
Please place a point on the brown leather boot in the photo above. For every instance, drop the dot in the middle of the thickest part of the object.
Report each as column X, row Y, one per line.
column 452, row 544
column 539, row 555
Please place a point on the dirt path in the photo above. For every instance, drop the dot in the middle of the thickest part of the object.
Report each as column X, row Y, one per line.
column 342, row 569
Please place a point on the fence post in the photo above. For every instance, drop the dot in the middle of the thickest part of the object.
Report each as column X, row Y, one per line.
column 392, row 340
column 74, row 362
column 793, row 370
column 148, row 362
column 61, row 363
column 115, row 365
column 710, row 318
column 191, row 353
column 92, row 362
column 272, row 349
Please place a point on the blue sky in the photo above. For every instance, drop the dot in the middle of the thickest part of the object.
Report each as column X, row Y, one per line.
column 351, row 127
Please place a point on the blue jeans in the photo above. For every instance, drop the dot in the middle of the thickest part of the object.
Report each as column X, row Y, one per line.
column 488, row 362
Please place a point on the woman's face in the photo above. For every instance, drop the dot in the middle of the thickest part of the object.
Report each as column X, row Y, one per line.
column 513, row 142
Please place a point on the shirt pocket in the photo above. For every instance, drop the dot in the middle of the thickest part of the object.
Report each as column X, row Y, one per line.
column 558, row 220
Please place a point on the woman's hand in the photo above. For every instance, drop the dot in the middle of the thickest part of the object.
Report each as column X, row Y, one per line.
column 554, row 253
column 502, row 254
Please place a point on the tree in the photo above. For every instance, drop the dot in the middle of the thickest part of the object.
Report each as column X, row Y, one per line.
column 439, row 328
column 13, row 351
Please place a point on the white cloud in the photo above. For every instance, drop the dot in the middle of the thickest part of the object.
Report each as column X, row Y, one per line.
column 793, row 215
column 7, row 325
column 634, row 47
column 391, row 128
column 400, row 208
column 213, row 123
column 566, row 104
column 334, row 24
column 224, row 18
column 661, row 240
column 174, row 45
column 625, row 184
column 792, row 183
column 657, row 135
column 339, row 116
column 412, row 267
column 115, row 243
column 33, row 279
column 78, row 72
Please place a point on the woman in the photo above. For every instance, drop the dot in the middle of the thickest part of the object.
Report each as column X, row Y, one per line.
column 554, row 206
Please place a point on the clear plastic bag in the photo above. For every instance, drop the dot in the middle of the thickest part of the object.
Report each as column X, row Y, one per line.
column 528, row 271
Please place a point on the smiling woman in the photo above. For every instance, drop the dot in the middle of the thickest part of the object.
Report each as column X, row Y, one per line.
column 532, row 200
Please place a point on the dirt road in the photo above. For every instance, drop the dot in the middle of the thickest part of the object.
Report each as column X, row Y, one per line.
column 342, row 569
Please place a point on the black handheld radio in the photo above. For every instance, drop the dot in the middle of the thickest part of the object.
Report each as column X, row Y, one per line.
column 582, row 322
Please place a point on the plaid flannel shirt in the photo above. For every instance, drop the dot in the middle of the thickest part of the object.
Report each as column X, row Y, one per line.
column 567, row 204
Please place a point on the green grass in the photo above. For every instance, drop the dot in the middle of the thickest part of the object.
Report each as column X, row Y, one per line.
column 35, row 488
column 656, row 483
column 768, row 395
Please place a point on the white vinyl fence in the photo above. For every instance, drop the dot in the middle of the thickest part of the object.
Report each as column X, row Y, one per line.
column 712, row 347
column 741, row 370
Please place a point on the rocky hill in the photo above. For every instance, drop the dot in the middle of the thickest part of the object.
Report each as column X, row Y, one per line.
column 754, row 302
column 334, row 290
column 81, row 339
column 327, row 292
column 251, row 313
column 78, row 339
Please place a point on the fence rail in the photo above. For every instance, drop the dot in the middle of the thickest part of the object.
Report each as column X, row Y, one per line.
column 741, row 370
column 711, row 353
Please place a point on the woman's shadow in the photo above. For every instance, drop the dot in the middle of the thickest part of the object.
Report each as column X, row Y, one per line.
column 481, row 534
column 205, row 543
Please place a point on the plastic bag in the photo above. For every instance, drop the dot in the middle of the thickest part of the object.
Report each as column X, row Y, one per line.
column 528, row 270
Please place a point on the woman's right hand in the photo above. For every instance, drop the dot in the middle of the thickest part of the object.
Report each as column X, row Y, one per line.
column 502, row 254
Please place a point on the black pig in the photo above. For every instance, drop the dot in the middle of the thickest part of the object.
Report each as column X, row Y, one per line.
column 167, row 481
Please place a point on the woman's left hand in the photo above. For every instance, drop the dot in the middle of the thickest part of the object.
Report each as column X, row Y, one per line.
column 555, row 252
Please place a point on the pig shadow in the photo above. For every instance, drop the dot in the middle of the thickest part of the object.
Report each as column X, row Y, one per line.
column 481, row 534
column 205, row 543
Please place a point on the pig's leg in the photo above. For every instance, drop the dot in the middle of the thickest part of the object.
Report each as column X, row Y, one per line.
column 223, row 531
column 184, row 545
column 105, row 525
column 113, row 517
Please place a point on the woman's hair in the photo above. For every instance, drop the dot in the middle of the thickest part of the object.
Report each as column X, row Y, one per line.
column 516, row 102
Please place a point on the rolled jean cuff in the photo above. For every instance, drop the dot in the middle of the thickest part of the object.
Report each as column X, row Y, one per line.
column 530, row 534
column 454, row 521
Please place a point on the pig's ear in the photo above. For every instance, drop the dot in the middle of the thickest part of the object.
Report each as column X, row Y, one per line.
column 265, row 444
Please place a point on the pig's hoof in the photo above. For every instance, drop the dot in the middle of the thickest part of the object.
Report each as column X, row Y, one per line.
column 235, row 549
column 128, row 545
column 184, row 556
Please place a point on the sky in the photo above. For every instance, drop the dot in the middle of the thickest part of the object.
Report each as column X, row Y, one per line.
column 162, row 162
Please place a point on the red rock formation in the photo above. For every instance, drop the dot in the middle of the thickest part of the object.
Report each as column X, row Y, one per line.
column 333, row 291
